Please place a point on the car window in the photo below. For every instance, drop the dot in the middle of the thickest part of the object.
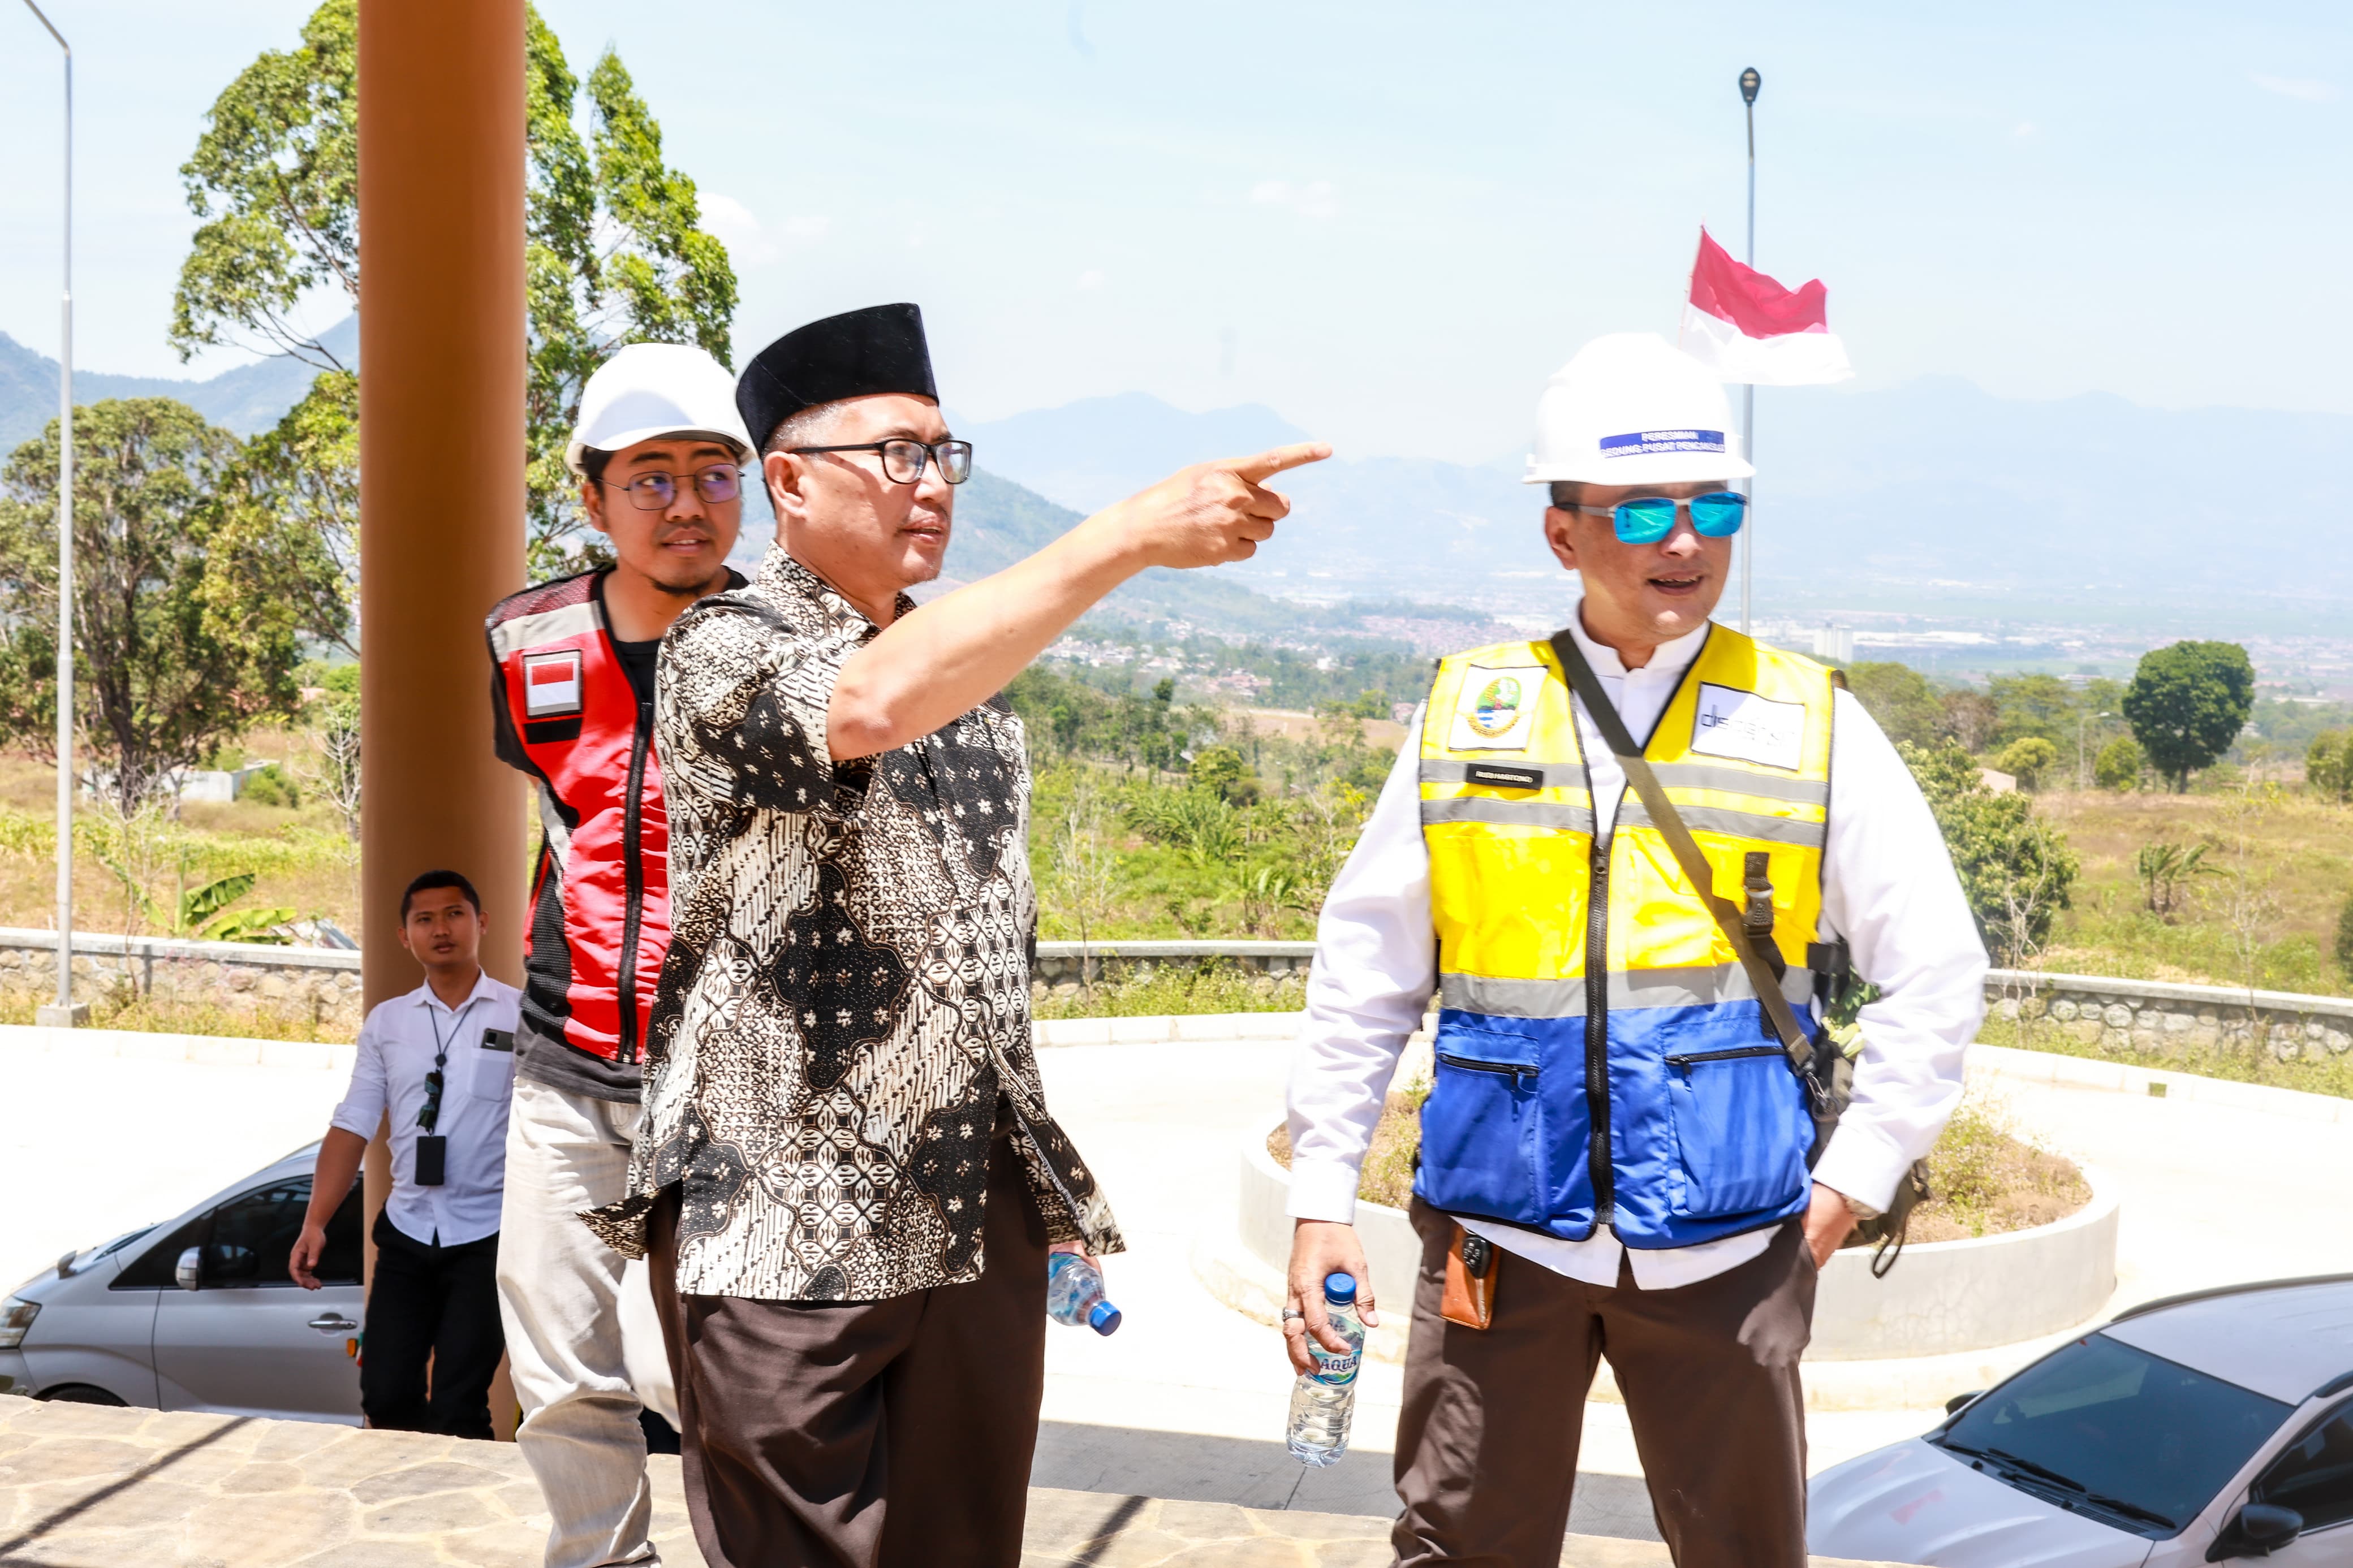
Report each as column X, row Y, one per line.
column 152, row 1269
column 2101, row 1420
column 253, row 1235
column 2314, row 1475
column 339, row 1263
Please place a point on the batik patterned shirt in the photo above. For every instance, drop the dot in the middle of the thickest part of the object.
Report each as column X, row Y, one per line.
column 845, row 1006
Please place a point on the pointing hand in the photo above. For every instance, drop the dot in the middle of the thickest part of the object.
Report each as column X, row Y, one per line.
column 1213, row 513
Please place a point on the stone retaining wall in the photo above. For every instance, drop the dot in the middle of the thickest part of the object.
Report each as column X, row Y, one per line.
column 2148, row 1018
column 319, row 984
column 2154, row 1017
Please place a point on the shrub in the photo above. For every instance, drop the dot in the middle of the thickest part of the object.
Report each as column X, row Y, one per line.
column 2329, row 766
column 2016, row 870
column 2029, row 759
column 270, row 785
column 2118, row 765
column 2344, row 939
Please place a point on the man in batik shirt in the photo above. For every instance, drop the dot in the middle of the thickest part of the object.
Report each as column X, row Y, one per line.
column 846, row 1178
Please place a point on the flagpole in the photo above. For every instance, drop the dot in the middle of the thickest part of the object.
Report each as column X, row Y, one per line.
column 1750, row 83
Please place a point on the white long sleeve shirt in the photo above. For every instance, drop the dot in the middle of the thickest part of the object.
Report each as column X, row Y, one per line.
column 398, row 1044
column 1888, row 887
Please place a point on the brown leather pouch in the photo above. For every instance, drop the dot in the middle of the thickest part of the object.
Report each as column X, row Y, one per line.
column 1470, row 1265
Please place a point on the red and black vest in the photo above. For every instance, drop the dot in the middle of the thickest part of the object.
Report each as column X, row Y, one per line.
column 567, row 715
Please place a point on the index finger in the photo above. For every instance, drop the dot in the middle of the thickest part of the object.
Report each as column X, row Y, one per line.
column 1276, row 460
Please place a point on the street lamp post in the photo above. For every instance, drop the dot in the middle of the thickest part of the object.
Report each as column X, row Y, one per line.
column 2082, row 776
column 65, row 1012
column 1750, row 83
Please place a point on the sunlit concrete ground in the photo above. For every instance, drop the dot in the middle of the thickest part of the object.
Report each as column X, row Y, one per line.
column 1187, row 1401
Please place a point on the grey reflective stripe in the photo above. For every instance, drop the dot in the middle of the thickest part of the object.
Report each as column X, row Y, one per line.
column 1639, row 988
column 1509, row 813
column 1723, row 819
column 1699, row 987
column 1557, row 775
column 1511, row 998
column 1704, row 775
column 548, row 625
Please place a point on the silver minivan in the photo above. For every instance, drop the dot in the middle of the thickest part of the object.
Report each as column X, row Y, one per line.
column 199, row 1312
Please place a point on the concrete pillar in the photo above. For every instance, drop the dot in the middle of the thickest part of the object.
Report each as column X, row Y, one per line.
column 441, row 466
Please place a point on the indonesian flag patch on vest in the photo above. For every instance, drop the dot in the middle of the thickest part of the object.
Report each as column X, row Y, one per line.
column 551, row 683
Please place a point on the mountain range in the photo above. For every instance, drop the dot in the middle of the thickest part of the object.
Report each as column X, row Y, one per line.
column 247, row 399
column 1934, row 493
column 1931, row 496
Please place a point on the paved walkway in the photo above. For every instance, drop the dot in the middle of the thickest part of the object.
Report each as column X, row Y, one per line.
column 83, row 1486
column 1186, row 1403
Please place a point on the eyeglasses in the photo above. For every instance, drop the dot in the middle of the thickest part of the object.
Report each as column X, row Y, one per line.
column 903, row 459
column 1646, row 519
column 655, row 492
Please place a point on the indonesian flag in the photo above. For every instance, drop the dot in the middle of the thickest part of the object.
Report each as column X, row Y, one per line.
column 1747, row 327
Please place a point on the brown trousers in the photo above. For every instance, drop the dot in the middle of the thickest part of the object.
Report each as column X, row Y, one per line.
column 1486, row 1451
column 866, row 1434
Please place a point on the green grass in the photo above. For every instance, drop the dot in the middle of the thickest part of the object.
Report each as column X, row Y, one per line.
column 2313, row 1071
column 127, row 1011
column 1169, row 988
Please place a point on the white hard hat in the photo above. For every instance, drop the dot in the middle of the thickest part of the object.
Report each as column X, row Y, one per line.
column 1632, row 410
column 649, row 389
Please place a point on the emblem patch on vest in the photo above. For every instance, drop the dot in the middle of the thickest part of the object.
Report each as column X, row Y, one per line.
column 551, row 683
column 1735, row 723
column 1496, row 710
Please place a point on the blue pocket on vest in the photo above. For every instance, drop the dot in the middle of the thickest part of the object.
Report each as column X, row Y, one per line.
column 1741, row 1129
column 1482, row 1147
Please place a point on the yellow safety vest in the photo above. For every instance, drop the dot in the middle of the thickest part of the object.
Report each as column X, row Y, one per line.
column 1602, row 1057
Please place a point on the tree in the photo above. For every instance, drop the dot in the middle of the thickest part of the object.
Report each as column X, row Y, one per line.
column 2187, row 703
column 2164, row 871
column 2329, row 766
column 2344, row 939
column 2118, row 765
column 286, row 561
column 613, row 251
column 2040, row 705
column 1900, row 698
column 2015, row 869
column 1971, row 717
column 155, row 689
column 2027, row 760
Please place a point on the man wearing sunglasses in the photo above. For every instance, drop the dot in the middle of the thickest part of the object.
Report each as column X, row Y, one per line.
column 848, row 1180
column 659, row 453
column 437, row 1066
column 1616, row 1142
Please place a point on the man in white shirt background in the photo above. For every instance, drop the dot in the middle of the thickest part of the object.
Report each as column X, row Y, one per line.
column 1614, row 1133
column 440, row 1062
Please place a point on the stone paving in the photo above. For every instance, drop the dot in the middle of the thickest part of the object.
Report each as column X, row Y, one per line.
column 92, row 1487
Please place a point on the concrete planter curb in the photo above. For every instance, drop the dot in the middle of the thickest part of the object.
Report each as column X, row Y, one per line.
column 1943, row 1298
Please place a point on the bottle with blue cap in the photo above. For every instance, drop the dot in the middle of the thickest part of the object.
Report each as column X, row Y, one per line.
column 1323, row 1402
column 1075, row 1293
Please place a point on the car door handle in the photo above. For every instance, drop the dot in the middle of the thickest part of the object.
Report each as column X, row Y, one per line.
column 333, row 1323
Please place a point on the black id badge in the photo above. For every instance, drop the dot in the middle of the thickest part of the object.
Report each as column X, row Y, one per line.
column 432, row 1159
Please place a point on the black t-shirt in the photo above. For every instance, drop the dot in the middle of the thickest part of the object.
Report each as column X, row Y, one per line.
column 638, row 661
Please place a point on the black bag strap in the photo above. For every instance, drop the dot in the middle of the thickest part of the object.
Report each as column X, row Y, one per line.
column 1686, row 850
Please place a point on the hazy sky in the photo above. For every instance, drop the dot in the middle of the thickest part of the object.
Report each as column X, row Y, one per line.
column 1388, row 222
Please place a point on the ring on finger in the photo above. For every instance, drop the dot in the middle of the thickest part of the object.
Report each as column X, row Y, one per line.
column 1294, row 1315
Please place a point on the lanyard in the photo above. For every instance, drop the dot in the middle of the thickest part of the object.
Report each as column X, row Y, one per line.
column 430, row 1116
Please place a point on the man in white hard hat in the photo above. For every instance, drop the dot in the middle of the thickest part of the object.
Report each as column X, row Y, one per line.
column 660, row 452
column 1615, row 1149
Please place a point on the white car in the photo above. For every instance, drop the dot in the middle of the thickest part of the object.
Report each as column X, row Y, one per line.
column 2201, row 1428
column 199, row 1313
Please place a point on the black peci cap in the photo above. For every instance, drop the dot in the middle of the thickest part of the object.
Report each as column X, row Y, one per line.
column 854, row 354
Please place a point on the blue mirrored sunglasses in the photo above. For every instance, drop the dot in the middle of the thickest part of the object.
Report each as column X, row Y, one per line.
column 1646, row 519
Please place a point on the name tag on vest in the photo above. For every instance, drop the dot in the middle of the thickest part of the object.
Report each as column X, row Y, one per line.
column 1732, row 724
column 551, row 683
column 1496, row 710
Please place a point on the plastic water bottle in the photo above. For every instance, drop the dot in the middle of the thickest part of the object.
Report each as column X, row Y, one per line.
column 1075, row 1293
column 1324, row 1401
